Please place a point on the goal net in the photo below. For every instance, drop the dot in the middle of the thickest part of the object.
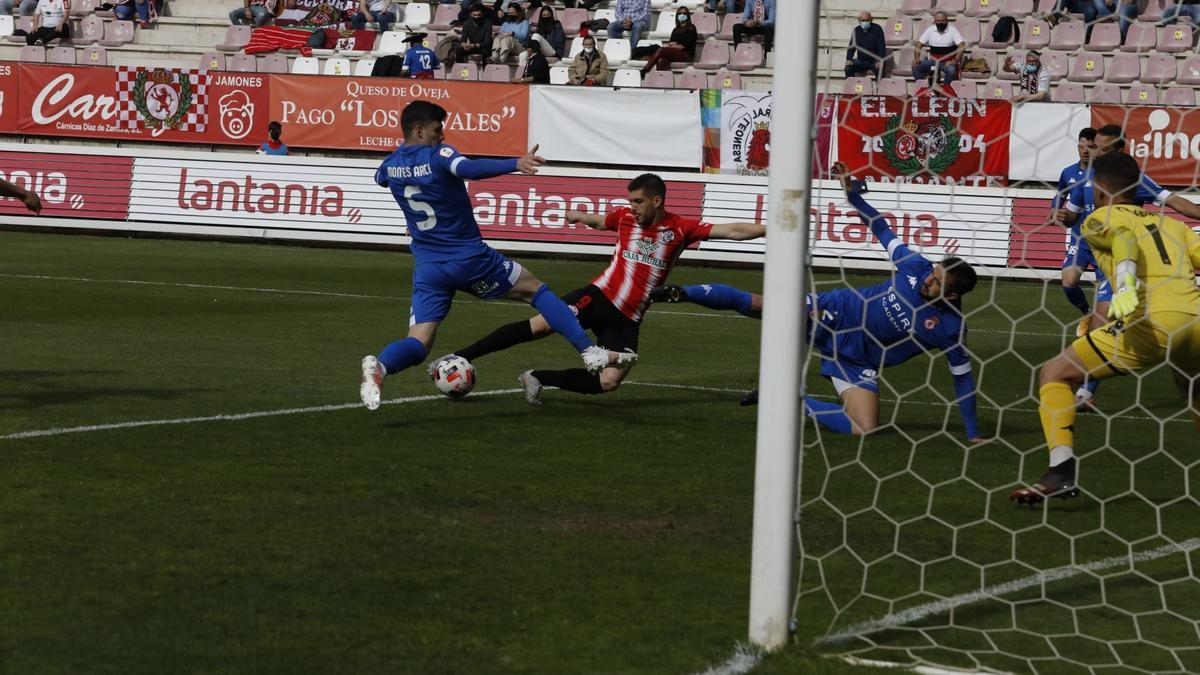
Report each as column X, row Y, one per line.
column 910, row 548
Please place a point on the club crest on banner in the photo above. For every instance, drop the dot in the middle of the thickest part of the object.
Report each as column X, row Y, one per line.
column 162, row 99
column 746, row 118
column 912, row 147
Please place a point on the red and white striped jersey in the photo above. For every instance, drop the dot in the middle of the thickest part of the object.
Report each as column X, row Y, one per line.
column 644, row 257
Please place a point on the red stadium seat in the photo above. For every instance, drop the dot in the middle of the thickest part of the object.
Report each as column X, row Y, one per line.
column 707, row 24
column 693, row 79
column 981, row 8
column 1140, row 38
column 997, row 89
column 33, row 54
column 212, row 61
column 93, row 56
column 1087, row 67
column 858, row 86
column 447, row 12
column 901, row 62
column 747, row 56
column 117, row 34
column 91, row 29
column 236, row 39
column 1018, row 9
column 1142, row 94
column 1068, row 35
column 951, row 7
column 1158, row 69
column 1179, row 97
column 1018, row 58
column 1189, row 71
column 898, row 31
column 242, row 63
column 1057, row 64
column 63, row 55
column 986, row 41
column 496, row 72
column 1106, row 37
column 570, row 19
column 1035, row 34
column 892, row 86
column 1175, row 38
column 915, row 7
column 24, row 23
column 724, row 79
column 964, row 89
column 1124, row 68
column 660, row 79
column 1153, row 11
column 988, row 57
column 1069, row 92
column 1104, row 92
column 714, row 55
column 273, row 63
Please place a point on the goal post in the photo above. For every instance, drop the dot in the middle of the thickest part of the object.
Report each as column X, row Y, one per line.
column 773, row 553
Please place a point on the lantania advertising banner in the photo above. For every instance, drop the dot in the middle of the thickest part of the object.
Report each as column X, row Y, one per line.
column 926, row 139
column 1166, row 141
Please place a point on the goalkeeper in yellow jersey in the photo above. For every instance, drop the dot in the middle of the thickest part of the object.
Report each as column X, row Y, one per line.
column 1151, row 260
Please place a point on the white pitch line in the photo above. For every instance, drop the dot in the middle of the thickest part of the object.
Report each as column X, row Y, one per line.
column 743, row 660
column 238, row 417
column 1048, row 576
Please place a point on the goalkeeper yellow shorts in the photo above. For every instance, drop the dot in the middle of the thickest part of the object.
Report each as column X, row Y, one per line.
column 1146, row 342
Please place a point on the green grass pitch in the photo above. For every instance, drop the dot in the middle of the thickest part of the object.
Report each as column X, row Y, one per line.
column 591, row 535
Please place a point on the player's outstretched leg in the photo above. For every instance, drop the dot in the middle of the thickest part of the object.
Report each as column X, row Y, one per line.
column 1057, row 412
column 505, row 337
column 576, row 380
column 562, row 321
column 830, row 416
column 712, row 296
column 394, row 358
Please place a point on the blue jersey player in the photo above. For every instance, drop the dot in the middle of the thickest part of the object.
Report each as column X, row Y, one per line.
column 1074, row 264
column 426, row 178
column 861, row 331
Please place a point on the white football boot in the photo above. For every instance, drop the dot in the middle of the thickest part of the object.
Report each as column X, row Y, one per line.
column 532, row 387
column 371, row 389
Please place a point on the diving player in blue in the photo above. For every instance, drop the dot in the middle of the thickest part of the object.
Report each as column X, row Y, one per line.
column 860, row 331
column 426, row 178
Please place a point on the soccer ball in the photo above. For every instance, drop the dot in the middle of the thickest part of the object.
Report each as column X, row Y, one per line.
column 454, row 376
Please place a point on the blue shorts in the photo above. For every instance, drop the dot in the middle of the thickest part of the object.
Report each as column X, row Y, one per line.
column 487, row 276
column 845, row 374
column 833, row 341
column 1079, row 254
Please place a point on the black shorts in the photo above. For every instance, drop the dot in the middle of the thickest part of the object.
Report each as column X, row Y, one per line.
column 614, row 331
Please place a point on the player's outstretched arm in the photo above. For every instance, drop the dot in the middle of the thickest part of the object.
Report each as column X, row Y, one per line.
column 1184, row 206
column 964, row 392
column 29, row 199
column 592, row 220
column 872, row 218
column 738, row 231
column 481, row 169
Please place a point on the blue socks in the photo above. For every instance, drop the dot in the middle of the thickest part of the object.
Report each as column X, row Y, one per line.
column 402, row 354
column 828, row 415
column 1091, row 385
column 1077, row 297
column 719, row 296
column 561, row 318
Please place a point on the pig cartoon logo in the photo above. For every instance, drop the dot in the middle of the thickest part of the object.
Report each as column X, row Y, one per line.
column 237, row 115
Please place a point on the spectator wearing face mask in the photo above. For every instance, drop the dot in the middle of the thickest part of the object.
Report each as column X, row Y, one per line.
column 590, row 67
column 548, row 33
column 728, row 7
column 273, row 146
column 475, row 38
column 945, row 46
column 632, row 16
column 867, row 47
column 513, row 34
column 682, row 46
column 1034, row 79
column 757, row 19
column 534, row 68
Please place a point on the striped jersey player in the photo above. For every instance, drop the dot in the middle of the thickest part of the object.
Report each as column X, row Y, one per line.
column 649, row 241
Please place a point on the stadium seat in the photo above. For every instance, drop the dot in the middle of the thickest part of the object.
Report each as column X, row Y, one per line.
column 25, row 23
column 997, row 89
column 1044, row 7
column 1153, row 10
column 724, row 79
column 391, row 42
column 1056, row 64
column 1087, row 67
column 363, row 67
column 61, row 55
column 1068, row 92
column 236, row 39
column 659, row 79
column 1124, row 68
column 117, row 34
column 892, row 86
column 576, row 47
column 323, row 52
column 608, row 14
column 981, row 8
column 901, row 62
column 645, row 42
column 664, row 25
column 731, row 20
column 1175, row 38
column 986, row 41
column 212, row 61
column 747, row 56
column 1142, row 94
column 714, row 55
column 691, row 78
column 570, row 18
column 897, row 31
column 627, row 77
column 439, row 73
column 33, row 54
column 963, row 89
column 617, row 50
column 951, row 7
column 1105, row 92
column 1189, row 71
column 858, row 86
column 1179, row 97
column 989, row 57
column 82, row 8
column 447, row 12
column 1068, row 36
column 273, row 63
column 968, row 27
column 1158, row 69
column 306, row 65
column 1106, row 37
column 6, row 25
column 417, row 16
column 466, row 70
column 1018, row 9
column 560, row 74
column 915, row 7
column 496, row 72
column 1018, row 58
column 1035, row 34
column 337, row 66
column 242, row 63
column 1140, row 38
column 93, row 56
column 707, row 24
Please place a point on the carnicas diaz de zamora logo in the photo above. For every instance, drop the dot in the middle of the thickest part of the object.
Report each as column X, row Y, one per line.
column 920, row 147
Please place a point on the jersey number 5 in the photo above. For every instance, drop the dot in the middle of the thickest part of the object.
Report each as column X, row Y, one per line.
column 430, row 221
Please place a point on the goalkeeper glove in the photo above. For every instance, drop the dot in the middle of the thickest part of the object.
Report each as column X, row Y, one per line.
column 1125, row 300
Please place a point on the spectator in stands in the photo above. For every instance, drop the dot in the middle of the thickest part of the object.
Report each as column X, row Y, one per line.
column 513, row 34
column 125, row 10
column 632, row 16
column 945, row 46
column 49, row 22
column 586, row 4
column 465, row 13
column 758, row 19
column 534, row 68
column 1034, row 79
column 258, row 12
column 590, row 67
column 27, row 6
column 380, row 12
column 728, row 7
column 476, row 38
column 273, row 146
column 867, row 47
column 682, row 46
column 1186, row 9
column 548, row 33
column 419, row 60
